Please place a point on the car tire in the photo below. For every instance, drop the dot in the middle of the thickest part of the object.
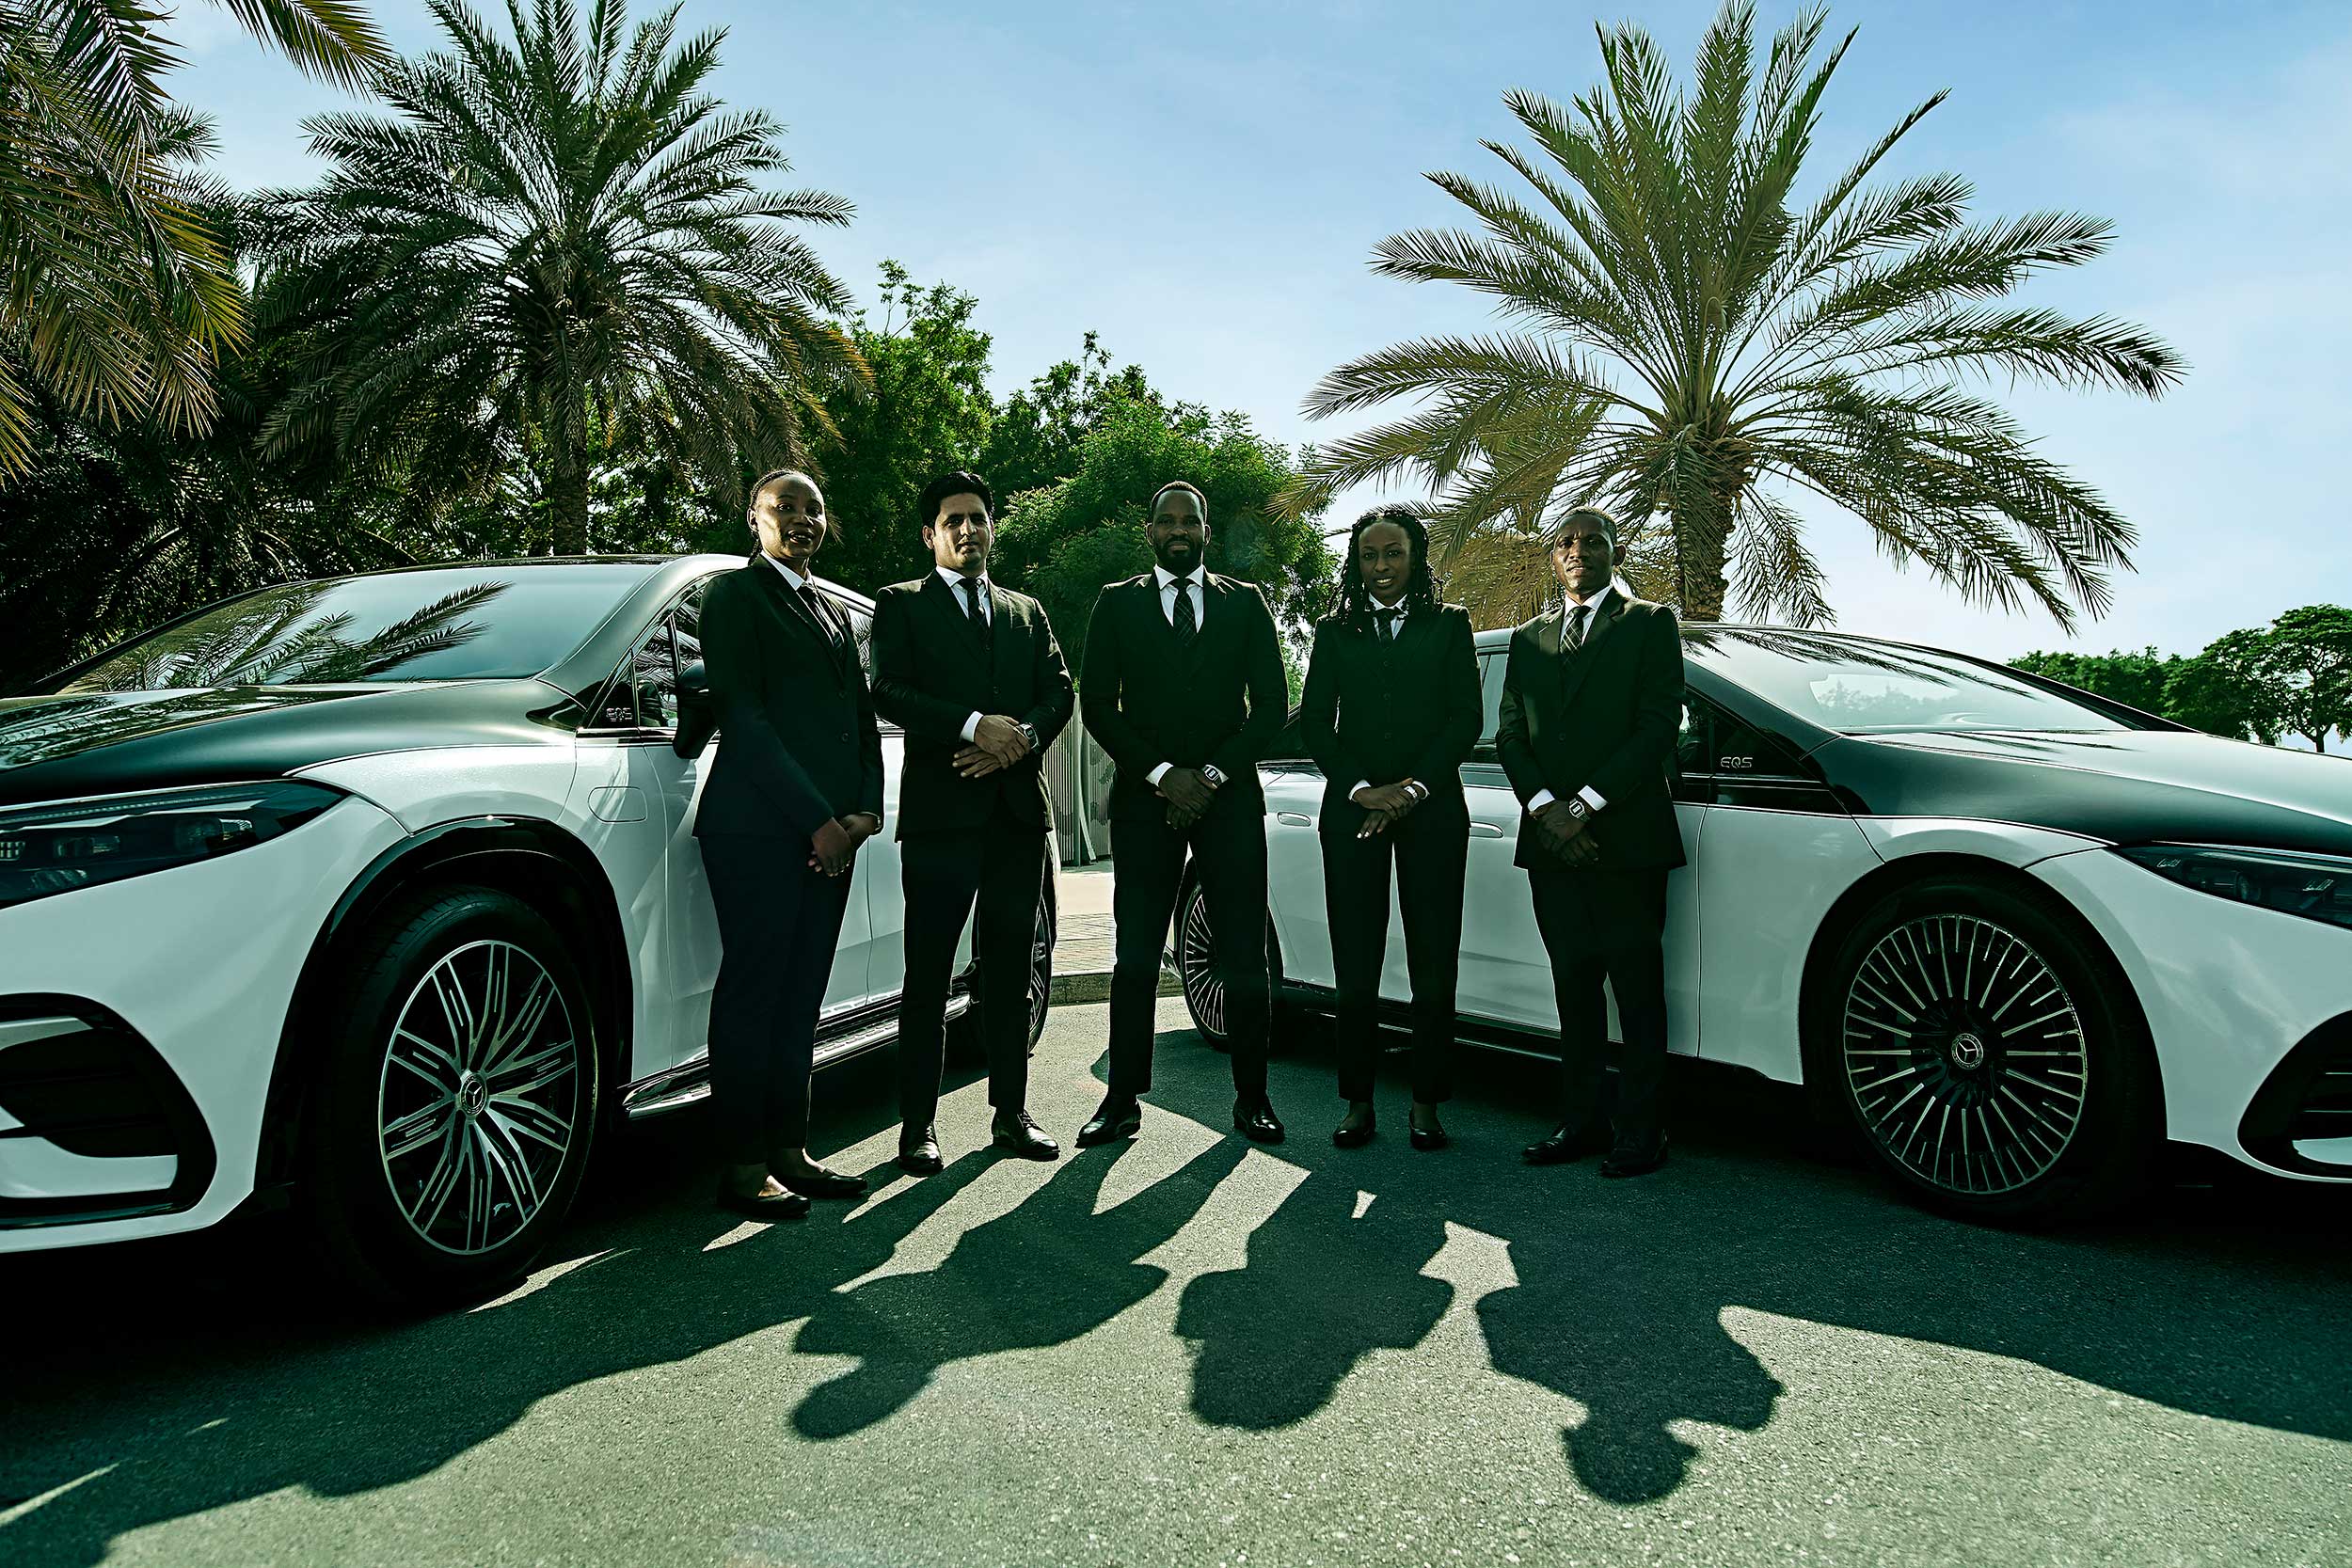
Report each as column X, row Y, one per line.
column 965, row 1045
column 1196, row 967
column 1987, row 1054
column 456, row 1105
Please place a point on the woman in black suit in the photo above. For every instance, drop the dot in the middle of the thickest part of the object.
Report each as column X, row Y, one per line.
column 1390, row 711
column 796, row 786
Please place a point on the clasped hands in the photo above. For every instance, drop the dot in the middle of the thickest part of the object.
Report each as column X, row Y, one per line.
column 1565, row 833
column 833, row 849
column 1187, row 792
column 1386, row 804
column 997, row 742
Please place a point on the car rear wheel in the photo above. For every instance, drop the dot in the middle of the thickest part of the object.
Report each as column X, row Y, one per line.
column 1986, row 1053
column 1196, row 966
column 457, row 1104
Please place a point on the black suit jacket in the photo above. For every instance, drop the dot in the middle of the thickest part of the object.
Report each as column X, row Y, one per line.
column 932, row 672
column 1147, row 700
column 798, row 742
column 1604, row 715
column 1377, row 709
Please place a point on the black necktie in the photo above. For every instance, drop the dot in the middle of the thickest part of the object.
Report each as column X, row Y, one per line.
column 816, row 609
column 1187, row 622
column 1575, row 638
column 1387, row 623
column 972, row 607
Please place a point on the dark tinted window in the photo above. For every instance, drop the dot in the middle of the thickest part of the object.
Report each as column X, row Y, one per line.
column 454, row 622
column 1867, row 688
column 1490, row 693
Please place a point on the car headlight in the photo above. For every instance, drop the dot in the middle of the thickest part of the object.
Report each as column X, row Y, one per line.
column 2318, row 887
column 61, row 848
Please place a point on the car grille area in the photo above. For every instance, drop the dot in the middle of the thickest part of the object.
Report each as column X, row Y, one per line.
column 2301, row 1118
column 94, row 1125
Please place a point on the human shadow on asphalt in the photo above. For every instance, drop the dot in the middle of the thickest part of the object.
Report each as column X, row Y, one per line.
column 2225, row 1301
column 1043, row 1273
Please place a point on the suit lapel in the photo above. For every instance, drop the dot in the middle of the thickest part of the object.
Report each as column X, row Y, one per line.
column 951, row 605
column 1007, row 644
column 829, row 641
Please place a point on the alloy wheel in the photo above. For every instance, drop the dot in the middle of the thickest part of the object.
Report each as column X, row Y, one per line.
column 478, row 1101
column 1964, row 1055
column 1195, row 965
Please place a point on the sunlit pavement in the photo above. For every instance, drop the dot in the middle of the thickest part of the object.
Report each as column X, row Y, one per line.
column 1194, row 1351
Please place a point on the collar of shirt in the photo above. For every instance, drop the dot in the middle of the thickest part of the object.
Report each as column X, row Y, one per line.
column 1593, row 603
column 1398, row 610
column 792, row 577
column 952, row 577
column 1166, row 578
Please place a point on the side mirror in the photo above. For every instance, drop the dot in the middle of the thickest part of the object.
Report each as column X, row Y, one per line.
column 697, row 713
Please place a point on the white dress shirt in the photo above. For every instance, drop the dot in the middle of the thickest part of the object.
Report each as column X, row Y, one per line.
column 954, row 580
column 1396, row 629
column 790, row 575
column 1590, row 796
column 1197, row 585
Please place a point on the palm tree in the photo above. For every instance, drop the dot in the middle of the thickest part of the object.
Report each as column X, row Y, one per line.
column 556, row 249
column 117, row 291
column 1696, row 352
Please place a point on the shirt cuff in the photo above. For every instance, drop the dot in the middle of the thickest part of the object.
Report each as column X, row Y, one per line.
column 1359, row 783
column 972, row 725
column 1592, row 798
column 1158, row 773
column 1541, row 798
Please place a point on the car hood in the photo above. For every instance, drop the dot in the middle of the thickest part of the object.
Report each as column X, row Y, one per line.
column 2126, row 787
column 112, row 742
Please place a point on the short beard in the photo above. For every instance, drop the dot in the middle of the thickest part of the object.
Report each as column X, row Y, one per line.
column 1159, row 553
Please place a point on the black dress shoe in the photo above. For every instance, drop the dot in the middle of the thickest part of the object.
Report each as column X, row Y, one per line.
column 821, row 1182
column 763, row 1206
column 1356, row 1129
column 919, row 1155
column 1634, row 1158
column 1563, row 1146
column 1017, row 1133
column 1427, row 1137
column 1255, row 1119
column 1114, row 1121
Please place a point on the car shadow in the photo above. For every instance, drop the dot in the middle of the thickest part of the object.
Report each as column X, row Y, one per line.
column 161, row 1381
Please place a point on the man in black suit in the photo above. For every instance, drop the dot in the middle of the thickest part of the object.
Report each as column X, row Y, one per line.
column 795, row 788
column 1591, row 699
column 1184, row 686
column 971, row 673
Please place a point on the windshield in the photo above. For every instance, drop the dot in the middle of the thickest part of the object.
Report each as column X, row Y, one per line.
column 454, row 622
column 1875, row 688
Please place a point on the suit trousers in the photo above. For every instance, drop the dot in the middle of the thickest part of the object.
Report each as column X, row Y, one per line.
column 1429, row 847
column 1226, row 842
column 779, row 923
column 1600, row 924
column 1000, row 866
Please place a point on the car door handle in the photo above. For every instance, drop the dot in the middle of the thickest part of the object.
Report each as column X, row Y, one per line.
column 1485, row 829
column 1292, row 819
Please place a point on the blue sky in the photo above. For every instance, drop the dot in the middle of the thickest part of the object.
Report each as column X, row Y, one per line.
column 1202, row 186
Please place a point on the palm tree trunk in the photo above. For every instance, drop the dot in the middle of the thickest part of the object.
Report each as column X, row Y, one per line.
column 567, row 505
column 1699, row 567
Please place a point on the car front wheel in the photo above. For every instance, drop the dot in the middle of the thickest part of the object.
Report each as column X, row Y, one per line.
column 1986, row 1053
column 1197, row 971
column 454, row 1112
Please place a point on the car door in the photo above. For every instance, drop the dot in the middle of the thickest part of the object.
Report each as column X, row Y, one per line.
column 1293, row 854
column 878, row 900
column 1779, row 851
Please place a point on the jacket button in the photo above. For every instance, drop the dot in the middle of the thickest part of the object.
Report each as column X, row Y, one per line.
column 845, row 735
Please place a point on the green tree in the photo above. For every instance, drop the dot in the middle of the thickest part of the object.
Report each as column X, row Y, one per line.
column 2234, row 687
column 1088, row 529
column 1036, row 437
column 559, row 251
column 924, row 410
column 116, row 290
column 2136, row 678
column 1693, row 352
column 2311, row 649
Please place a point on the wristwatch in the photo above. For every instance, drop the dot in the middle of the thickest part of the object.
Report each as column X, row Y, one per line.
column 1214, row 775
column 1028, row 732
column 1575, row 806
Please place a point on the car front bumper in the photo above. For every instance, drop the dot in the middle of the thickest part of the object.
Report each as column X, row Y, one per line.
column 144, row 1019
column 2229, row 990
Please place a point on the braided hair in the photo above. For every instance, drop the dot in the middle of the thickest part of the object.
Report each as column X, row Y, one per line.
column 1420, row 588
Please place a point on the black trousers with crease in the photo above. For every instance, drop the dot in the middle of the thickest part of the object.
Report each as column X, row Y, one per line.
column 779, row 923
column 1429, row 847
column 1606, row 925
column 999, row 868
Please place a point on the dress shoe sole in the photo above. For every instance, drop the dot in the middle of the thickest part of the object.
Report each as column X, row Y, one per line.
column 921, row 1165
column 1345, row 1139
column 1617, row 1171
column 1426, row 1142
column 849, row 1187
column 1261, row 1134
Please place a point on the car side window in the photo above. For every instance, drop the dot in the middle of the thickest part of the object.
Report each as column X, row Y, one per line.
column 1490, row 694
column 655, row 667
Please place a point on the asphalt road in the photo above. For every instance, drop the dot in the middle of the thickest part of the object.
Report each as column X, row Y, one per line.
column 1190, row 1351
